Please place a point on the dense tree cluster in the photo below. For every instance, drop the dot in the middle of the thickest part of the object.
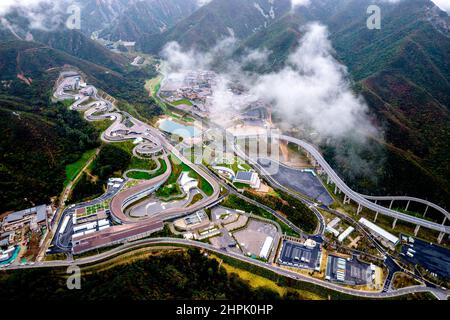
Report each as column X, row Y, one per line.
column 294, row 209
column 37, row 143
column 176, row 275
column 39, row 137
column 111, row 160
column 86, row 189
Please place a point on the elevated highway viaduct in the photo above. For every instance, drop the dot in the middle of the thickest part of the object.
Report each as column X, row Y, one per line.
column 362, row 201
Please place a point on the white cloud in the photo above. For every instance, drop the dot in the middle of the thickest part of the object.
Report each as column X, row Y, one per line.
column 201, row 3
column 179, row 60
column 256, row 57
column 311, row 92
column 300, row 3
column 41, row 14
column 7, row 5
column 443, row 4
column 314, row 90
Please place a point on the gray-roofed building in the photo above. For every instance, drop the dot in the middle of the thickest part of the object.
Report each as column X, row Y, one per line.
column 33, row 216
column 41, row 213
column 248, row 178
column 4, row 242
column 300, row 255
column 349, row 271
column 244, row 176
column 193, row 222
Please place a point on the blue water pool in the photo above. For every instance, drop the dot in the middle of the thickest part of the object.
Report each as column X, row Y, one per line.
column 12, row 258
column 179, row 129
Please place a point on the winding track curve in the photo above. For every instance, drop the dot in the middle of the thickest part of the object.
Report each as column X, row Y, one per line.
column 102, row 109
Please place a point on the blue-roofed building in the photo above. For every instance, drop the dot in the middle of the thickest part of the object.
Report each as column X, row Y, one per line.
column 4, row 242
column 249, row 178
column 34, row 217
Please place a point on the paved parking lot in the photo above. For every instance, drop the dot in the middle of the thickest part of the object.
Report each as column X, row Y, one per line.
column 63, row 242
column 252, row 238
column 304, row 182
column 432, row 257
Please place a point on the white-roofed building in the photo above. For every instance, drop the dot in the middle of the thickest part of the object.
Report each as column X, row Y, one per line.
column 379, row 232
column 187, row 183
column 345, row 234
column 332, row 230
column 334, row 222
column 267, row 247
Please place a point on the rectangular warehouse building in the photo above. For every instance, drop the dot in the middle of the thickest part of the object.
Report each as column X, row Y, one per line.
column 267, row 246
column 379, row 232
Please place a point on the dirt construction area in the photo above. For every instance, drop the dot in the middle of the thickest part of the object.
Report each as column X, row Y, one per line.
column 252, row 238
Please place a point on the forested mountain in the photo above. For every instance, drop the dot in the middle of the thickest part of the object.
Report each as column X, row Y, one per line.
column 77, row 44
column 147, row 17
column 217, row 20
column 403, row 71
column 39, row 137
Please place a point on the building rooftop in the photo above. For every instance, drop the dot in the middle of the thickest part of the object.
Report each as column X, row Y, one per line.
column 196, row 218
column 298, row 255
column 40, row 211
column 345, row 234
column 244, row 176
column 381, row 232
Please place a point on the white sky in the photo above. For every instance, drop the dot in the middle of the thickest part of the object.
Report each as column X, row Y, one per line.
column 5, row 5
column 443, row 4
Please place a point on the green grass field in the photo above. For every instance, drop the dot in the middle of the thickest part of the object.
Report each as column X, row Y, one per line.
column 142, row 164
column 147, row 176
column 72, row 170
column 136, row 163
column 95, row 208
column 137, row 175
column 234, row 202
column 182, row 101
column 236, row 166
column 195, row 199
column 102, row 125
column 162, row 169
column 170, row 188
column 203, row 184
column 241, row 186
